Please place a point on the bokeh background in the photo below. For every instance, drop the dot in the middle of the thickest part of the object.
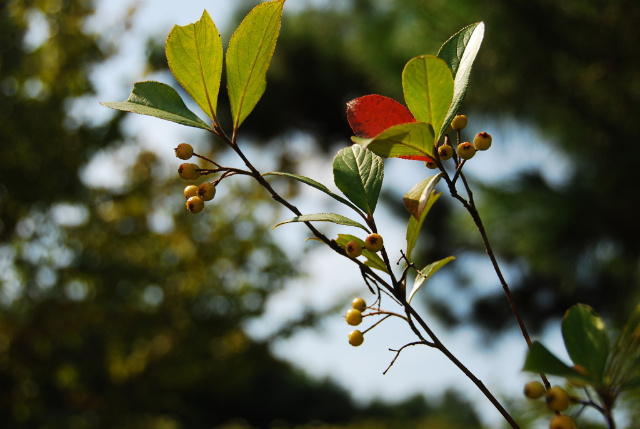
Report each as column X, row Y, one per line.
column 119, row 309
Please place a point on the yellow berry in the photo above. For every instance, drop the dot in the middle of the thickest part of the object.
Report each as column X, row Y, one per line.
column 533, row 390
column 482, row 141
column 431, row 164
column 206, row 191
column 184, row 151
column 466, row 150
column 356, row 338
column 353, row 249
column 189, row 171
column 445, row 152
column 373, row 242
column 459, row 122
column 558, row 399
column 195, row 204
column 359, row 304
column 190, row 191
column 353, row 317
column 562, row 422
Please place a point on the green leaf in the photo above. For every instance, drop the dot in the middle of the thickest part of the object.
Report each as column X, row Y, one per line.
column 324, row 217
column 459, row 52
column 541, row 360
column 416, row 199
column 586, row 340
column 159, row 100
column 428, row 90
column 250, row 50
column 414, row 225
column 373, row 260
column 632, row 384
column 404, row 140
column 194, row 53
column 358, row 173
column 427, row 272
column 313, row 184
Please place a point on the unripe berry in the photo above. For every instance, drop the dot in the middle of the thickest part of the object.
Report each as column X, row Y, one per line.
column 190, row 191
column 459, row 122
column 558, row 399
column 356, row 338
column 562, row 422
column 359, row 304
column 431, row 163
column 195, row 204
column 466, row 150
column 184, row 151
column 533, row 390
column 445, row 152
column 353, row 317
column 353, row 249
column 189, row 171
column 206, row 191
column 373, row 242
column 482, row 141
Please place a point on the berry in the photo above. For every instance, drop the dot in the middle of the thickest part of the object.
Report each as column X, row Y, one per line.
column 353, row 249
column 373, row 242
column 206, row 191
column 466, row 150
column 482, row 141
column 189, row 171
column 184, row 151
column 562, row 422
column 445, row 152
column 195, row 204
column 574, row 381
column 353, row 317
column 558, row 399
column 533, row 390
column 459, row 122
column 190, row 191
column 431, row 163
column 359, row 304
column 356, row 338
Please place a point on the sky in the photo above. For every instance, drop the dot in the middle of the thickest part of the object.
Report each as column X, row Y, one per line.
column 323, row 351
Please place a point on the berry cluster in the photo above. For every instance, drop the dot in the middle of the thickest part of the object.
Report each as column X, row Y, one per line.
column 557, row 399
column 354, row 318
column 373, row 243
column 465, row 150
column 196, row 195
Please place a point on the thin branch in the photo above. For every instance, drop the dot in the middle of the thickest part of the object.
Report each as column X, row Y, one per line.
column 415, row 343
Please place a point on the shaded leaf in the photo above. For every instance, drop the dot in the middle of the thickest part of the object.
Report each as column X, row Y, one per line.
column 414, row 225
column 358, row 173
column 250, row 50
column 541, row 360
column 428, row 90
column 194, row 54
column 324, row 217
column 159, row 100
column 586, row 339
column 427, row 272
column 406, row 140
column 370, row 115
column 373, row 260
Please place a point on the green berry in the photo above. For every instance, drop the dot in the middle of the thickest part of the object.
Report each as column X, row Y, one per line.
column 353, row 249
column 466, row 150
column 445, row 152
column 353, row 317
column 373, row 242
column 189, row 171
column 562, row 422
column 459, row 122
column 482, row 141
column 184, row 151
column 533, row 390
column 190, row 191
column 356, row 338
column 558, row 399
column 195, row 204
column 206, row 191
column 359, row 304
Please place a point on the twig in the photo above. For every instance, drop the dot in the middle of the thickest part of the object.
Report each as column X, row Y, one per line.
column 415, row 343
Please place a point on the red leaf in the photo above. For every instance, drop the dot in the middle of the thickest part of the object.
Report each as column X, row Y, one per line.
column 370, row 115
column 424, row 158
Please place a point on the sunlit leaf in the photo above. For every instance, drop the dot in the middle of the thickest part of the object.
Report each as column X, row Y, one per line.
column 250, row 50
column 358, row 173
column 370, row 115
column 416, row 199
column 194, row 53
column 405, row 140
column 414, row 225
column 372, row 258
column 324, row 217
column 427, row 272
column 159, row 100
column 428, row 90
